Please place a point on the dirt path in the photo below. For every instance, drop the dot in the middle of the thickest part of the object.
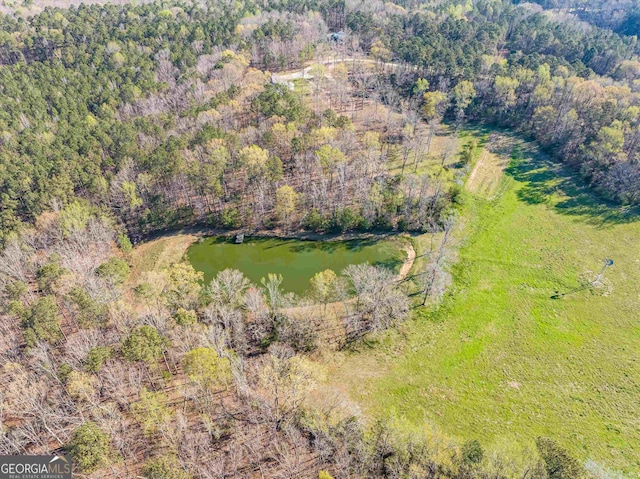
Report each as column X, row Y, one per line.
column 408, row 263
column 487, row 175
column 305, row 73
column 472, row 176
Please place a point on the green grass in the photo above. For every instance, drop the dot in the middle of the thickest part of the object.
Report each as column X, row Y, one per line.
column 302, row 86
column 158, row 254
column 500, row 360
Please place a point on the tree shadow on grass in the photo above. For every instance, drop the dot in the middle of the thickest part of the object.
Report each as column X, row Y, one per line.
column 545, row 181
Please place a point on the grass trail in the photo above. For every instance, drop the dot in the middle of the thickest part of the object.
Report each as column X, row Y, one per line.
column 155, row 255
column 500, row 360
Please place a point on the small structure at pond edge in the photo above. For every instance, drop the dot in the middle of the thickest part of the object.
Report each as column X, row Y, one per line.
column 337, row 37
column 239, row 238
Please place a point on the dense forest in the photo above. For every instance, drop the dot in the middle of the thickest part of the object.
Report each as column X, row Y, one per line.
column 166, row 116
column 621, row 16
column 119, row 121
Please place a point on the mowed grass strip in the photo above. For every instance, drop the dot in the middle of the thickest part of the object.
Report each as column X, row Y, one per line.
column 160, row 253
column 486, row 177
column 501, row 360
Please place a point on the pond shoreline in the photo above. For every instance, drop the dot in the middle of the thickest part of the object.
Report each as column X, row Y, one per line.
column 204, row 231
column 163, row 248
column 297, row 260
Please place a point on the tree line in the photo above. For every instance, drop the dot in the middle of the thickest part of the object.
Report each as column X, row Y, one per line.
column 574, row 90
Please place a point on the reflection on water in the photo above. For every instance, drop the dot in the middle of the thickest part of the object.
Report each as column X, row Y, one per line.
column 296, row 260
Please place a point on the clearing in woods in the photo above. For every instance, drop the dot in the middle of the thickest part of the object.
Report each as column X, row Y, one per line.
column 486, row 178
column 500, row 360
column 155, row 255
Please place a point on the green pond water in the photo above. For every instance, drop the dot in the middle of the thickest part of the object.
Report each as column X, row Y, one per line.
column 296, row 260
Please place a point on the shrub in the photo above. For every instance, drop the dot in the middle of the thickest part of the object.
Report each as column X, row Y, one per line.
column 164, row 467
column 90, row 313
column 151, row 411
column 456, row 194
column 230, row 218
column 96, row 358
column 205, row 367
column 115, row 269
column 144, row 344
column 558, row 463
column 144, row 291
column 15, row 290
column 469, row 152
column 185, row 317
column 48, row 274
column 40, row 321
column 125, row 243
column 313, row 221
column 472, row 452
column 89, row 447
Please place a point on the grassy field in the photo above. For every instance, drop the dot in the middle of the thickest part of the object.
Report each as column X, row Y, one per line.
column 501, row 360
column 158, row 254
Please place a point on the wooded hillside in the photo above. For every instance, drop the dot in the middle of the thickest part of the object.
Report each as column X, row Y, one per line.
column 166, row 116
column 330, row 116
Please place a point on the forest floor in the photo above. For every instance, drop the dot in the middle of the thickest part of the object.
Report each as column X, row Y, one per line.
column 501, row 360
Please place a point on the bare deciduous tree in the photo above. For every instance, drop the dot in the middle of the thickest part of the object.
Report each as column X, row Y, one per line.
column 435, row 277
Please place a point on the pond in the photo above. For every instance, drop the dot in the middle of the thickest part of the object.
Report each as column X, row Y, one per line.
column 296, row 260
